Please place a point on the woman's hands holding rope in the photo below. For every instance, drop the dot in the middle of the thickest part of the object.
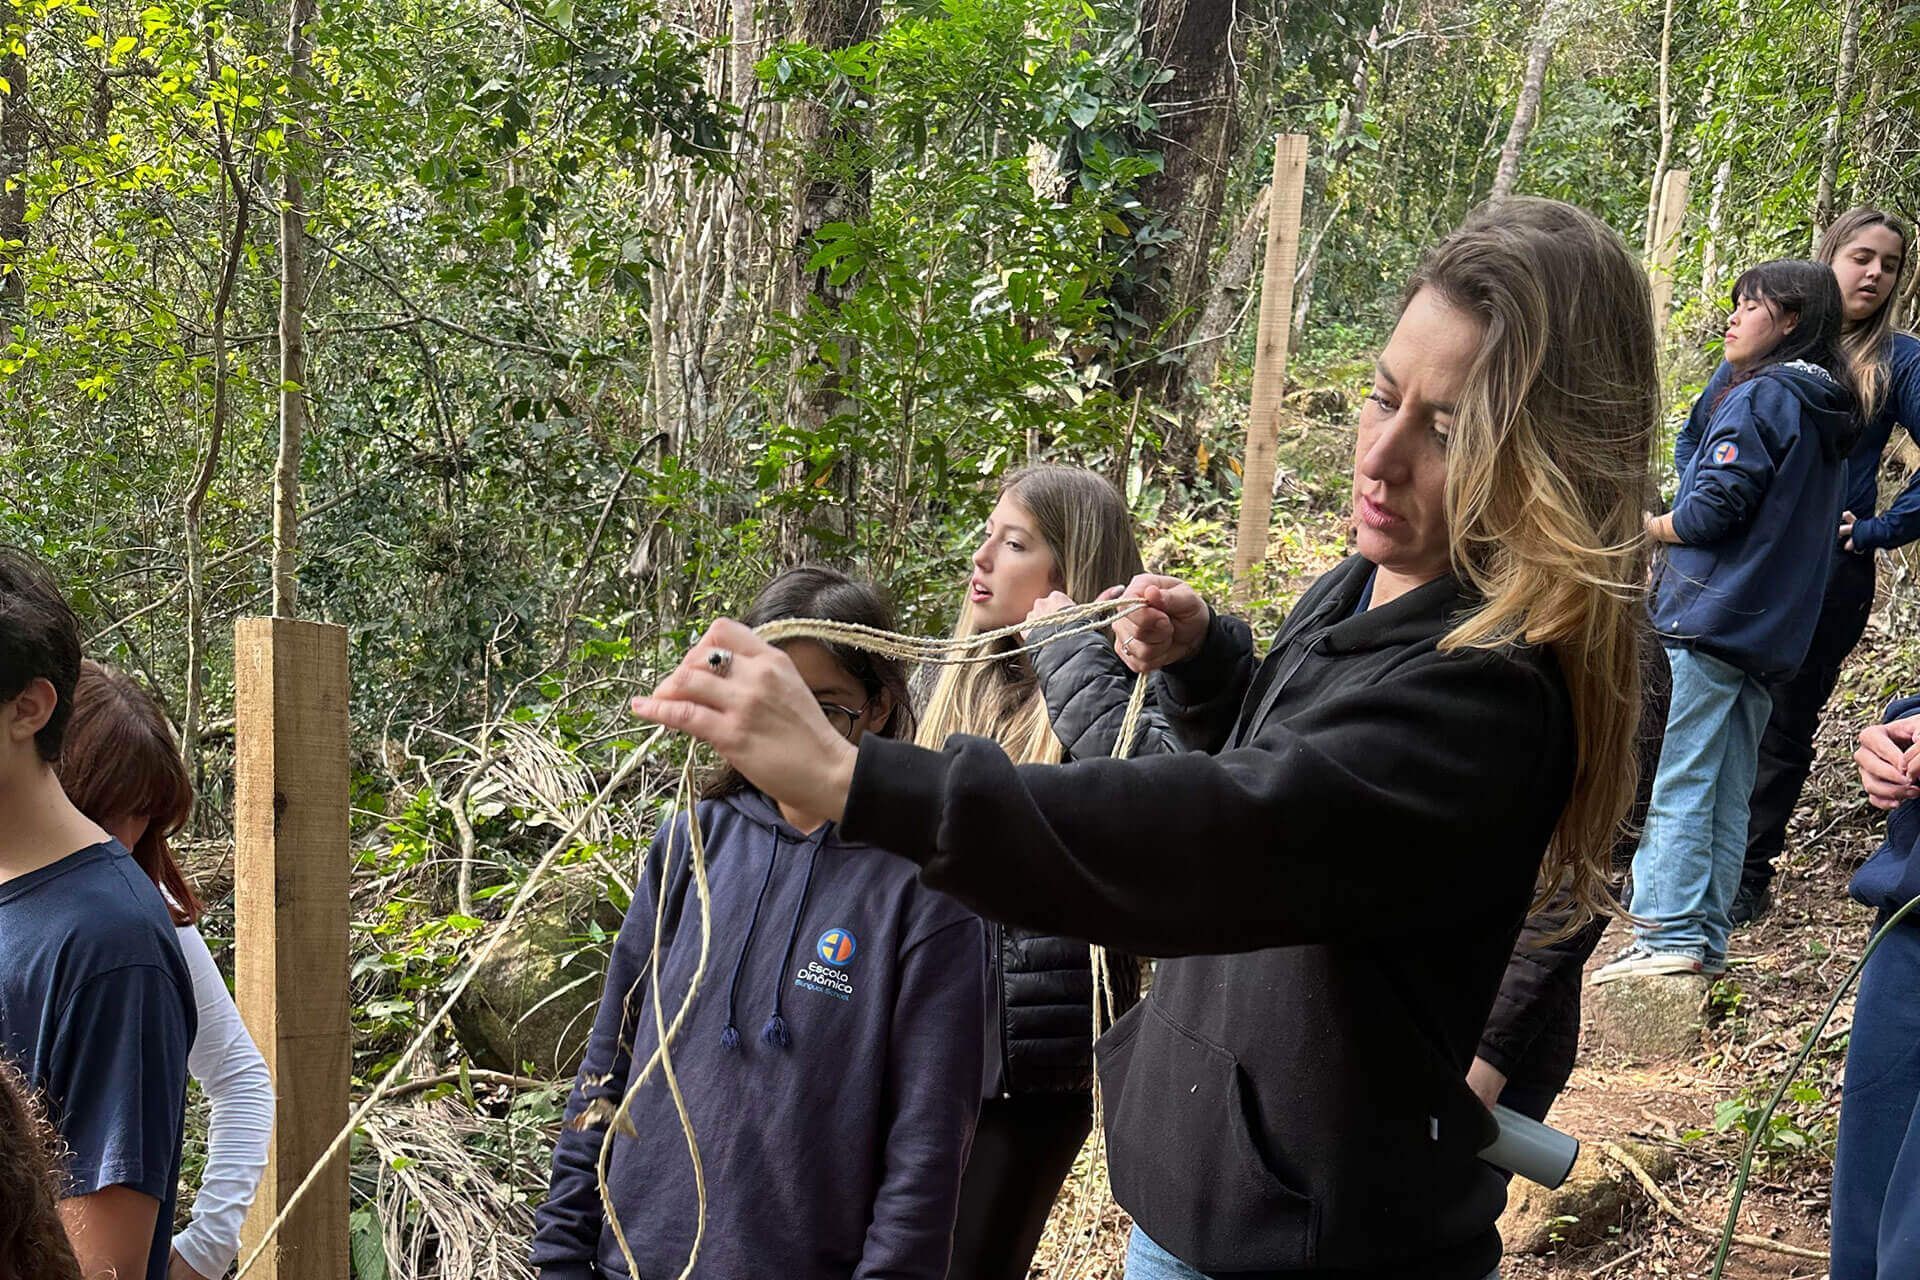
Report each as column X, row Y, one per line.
column 1170, row 628
column 742, row 696
column 753, row 708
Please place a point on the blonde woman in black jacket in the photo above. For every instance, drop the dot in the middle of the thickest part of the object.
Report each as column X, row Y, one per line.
column 1341, row 861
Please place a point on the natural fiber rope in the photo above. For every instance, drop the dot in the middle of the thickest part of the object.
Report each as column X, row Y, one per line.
column 1072, row 621
column 621, row 1121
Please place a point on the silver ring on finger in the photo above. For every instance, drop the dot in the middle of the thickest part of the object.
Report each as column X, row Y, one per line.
column 1126, row 646
column 720, row 661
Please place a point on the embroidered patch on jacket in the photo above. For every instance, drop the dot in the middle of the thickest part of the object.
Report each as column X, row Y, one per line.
column 1725, row 452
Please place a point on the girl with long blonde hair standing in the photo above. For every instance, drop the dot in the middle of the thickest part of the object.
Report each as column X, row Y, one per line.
column 1056, row 535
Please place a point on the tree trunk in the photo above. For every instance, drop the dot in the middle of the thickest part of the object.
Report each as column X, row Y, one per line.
column 1527, row 109
column 16, row 141
column 1226, row 304
column 293, row 312
column 1723, row 173
column 1666, row 130
column 1345, row 130
column 824, row 193
column 1199, row 41
column 1842, row 93
column 236, row 240
column 1874, row 134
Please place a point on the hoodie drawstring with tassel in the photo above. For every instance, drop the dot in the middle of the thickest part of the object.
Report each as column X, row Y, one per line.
column 775, row 1032
column 730, row 1035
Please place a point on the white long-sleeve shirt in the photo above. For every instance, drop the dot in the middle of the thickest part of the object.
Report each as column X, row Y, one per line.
column 234, row 1077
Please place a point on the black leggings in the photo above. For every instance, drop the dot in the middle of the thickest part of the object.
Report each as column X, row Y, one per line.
column 1023, row 1150
column 1786, row 747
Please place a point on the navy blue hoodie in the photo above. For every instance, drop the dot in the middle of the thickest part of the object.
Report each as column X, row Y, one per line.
column 836, row 1154
column 1756, row 512
column 1899, row 524
column 1891, row 877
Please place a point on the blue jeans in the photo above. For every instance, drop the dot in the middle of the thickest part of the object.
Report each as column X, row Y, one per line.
column 1687, row 868
column 1876, row 1170
column 1148, row 1261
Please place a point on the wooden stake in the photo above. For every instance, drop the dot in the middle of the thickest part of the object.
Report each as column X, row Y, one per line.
column 1666, row 245
column 291, row 865
column 1270, row 358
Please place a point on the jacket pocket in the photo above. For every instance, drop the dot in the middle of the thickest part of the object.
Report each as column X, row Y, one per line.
column 1681, row 597
column 1185, row 1162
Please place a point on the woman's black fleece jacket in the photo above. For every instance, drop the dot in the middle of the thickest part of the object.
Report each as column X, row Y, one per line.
column 1343, row 861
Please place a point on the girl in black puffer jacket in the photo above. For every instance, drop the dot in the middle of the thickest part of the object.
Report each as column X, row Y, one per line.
column 1058, row 534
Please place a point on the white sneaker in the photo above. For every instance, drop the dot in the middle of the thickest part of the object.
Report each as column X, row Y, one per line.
column 1639, row 961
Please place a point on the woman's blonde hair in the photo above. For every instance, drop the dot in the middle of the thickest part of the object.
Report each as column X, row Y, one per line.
column 1866, row 344
column 1086, row 525
column 1547, row 475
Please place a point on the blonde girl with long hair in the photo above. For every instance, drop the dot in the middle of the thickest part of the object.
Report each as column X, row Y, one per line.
column 1868, row 251
column 1335, row 871
column 1056, row 535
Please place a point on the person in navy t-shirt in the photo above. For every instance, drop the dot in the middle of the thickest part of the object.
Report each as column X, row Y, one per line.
column 96, row 1005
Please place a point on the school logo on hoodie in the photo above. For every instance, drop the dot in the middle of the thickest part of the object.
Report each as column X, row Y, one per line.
column 828, row 974
column 836, row 946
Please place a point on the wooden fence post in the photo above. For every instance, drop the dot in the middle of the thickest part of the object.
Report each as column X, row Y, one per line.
column 291, row 865
column 1270, row 358
column 1666, row 245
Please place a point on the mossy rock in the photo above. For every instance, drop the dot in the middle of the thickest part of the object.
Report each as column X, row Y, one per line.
column 531, row 1006
column 1649, row 1017
column 1582, row 1209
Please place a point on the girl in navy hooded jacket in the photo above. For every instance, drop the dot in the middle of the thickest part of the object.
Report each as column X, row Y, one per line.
column 1867, row 249
column 831, row 1061
column 1737, row 601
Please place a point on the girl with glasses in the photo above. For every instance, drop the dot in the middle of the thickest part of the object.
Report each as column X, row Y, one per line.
column 831, row 1061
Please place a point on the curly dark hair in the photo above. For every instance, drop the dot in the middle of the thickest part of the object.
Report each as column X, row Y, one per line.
column 33, row 1244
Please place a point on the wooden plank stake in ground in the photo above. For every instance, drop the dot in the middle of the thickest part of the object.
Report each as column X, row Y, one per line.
column 1666, row 245
column 290, row 922
column 1270, row 358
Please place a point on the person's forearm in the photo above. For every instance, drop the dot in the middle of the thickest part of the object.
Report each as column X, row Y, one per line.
column 1895, row 527
column 239, row 1091
column 239, row 1131
column 1265, row 834
column 1201, row 697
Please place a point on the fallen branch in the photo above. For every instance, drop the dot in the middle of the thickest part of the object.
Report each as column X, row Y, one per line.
column 478, row 1076
column 1672, row 1210
column 1620, row 1261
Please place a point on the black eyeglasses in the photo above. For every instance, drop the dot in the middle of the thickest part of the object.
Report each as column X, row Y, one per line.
column 843, row 719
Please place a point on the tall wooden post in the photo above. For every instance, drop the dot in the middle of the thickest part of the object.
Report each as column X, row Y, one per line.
column 291, row 866
column 1666, row 245
column 1270, row 358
